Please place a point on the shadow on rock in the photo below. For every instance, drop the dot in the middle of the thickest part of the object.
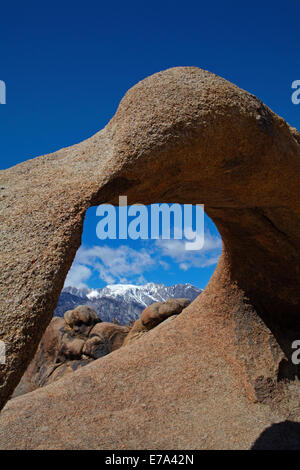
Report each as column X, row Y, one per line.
column 279, row 436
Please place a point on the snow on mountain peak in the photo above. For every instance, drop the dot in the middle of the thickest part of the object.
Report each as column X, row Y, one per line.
column 124, row 302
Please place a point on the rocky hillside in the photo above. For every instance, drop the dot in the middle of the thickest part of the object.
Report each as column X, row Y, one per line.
column 123, row 302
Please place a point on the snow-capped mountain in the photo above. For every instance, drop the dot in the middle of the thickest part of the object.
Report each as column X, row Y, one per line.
column 122, row 302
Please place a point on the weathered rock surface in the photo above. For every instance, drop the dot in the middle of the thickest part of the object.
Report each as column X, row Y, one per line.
column 81, row 320
column 153, row 315
column 81, row 337
column 104, row 339
column 47, row 357
column 69, row 344
column 187, row 385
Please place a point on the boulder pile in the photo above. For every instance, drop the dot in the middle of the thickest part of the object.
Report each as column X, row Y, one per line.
column 81, row 337
column 68, row 344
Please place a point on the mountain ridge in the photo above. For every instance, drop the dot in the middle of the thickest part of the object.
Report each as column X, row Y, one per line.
column 122, row 302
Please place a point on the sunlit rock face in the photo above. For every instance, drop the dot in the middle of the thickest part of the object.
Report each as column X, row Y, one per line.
column 183, row 135
column 81, row 337
column 153, row 315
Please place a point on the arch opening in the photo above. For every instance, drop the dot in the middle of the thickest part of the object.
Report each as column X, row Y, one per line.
column 118, row 278
column 181, row 135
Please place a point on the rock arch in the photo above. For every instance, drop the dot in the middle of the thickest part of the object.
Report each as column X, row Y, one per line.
column 182, row 135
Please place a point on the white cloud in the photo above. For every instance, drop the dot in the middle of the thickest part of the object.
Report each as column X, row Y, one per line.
column 77, row 274
column 206, row 256
column 184, row 266
column 115, row 264
column 164, row 264
column 126, row 265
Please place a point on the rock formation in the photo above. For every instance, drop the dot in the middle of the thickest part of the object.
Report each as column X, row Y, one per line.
column 69, row 344
column 204, row 381
column 81, row 320
column 81, row 337
column 153, row 315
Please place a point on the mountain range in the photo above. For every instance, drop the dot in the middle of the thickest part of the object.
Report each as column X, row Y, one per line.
column 122, row 302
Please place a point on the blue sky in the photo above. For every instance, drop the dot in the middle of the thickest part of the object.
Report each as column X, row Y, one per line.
column 67, row 65
column 100, row 262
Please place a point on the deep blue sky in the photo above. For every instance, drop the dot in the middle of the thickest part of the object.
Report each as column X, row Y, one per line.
column 67, row 65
